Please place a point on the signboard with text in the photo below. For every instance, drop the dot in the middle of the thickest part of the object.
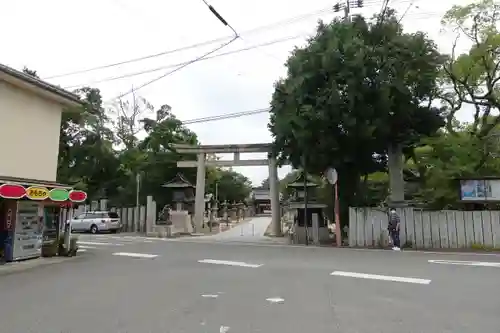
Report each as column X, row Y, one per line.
column 37, row 193
column 480, row 190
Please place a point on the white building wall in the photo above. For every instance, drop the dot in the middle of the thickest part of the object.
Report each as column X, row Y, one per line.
column 29, row 134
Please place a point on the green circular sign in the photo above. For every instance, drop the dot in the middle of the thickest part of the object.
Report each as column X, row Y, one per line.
column 58, row 194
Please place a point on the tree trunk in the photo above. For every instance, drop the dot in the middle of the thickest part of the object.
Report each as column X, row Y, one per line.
column 348, row 183
column 396, row 180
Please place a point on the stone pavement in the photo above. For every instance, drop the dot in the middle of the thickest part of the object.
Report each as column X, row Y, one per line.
column 179, row 287
column 252, row 230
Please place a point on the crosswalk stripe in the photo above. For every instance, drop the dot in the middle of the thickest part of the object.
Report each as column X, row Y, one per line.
column 99, row 243
column 466, row 263
column 87, row 247
column 381, row 277
column 135, row 255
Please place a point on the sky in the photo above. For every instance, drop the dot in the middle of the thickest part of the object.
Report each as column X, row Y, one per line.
column 58, row 36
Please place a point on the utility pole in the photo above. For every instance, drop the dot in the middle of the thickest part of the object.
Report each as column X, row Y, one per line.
column 347, row 6
column 137, row 189
column 217, row 191
column 347, row 10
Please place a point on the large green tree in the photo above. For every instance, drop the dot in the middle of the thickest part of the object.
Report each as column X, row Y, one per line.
column 230, row 185
column 356, row 90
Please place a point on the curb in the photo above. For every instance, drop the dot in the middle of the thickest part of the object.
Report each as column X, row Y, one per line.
column 30, row 264
column 328, row 247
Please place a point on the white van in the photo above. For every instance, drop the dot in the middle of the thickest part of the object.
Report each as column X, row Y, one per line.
column 96, row 221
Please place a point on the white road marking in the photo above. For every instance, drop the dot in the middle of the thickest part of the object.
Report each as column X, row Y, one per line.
column 82, row 250
column 100, row 238
column 381, row 277
column 229, row 263
column 466, row 263
column 224, row 329
column 140, row 238
column 135, row 255
column 99, row 243
column 148, row 241
column 275, row 300
column 209, row 296
column 86, row 247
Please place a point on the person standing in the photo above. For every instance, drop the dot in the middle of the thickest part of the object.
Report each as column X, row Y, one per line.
column 394, row 227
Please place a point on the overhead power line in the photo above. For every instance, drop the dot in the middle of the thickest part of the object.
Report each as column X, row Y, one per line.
column 226, row 116
column 196, row 45
column 236, row 115
column 222, row 54
column 219, row 17
column 270, row 26
column 156, row 69
column 406, row 11
column 223, row 21
column 173, row 71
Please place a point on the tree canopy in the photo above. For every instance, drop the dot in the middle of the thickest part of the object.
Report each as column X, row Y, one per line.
column 355, row 87
column 354, row 90
column 472, row 77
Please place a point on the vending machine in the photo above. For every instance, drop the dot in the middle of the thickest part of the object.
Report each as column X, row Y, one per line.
column 8, row 210
column 27, row 231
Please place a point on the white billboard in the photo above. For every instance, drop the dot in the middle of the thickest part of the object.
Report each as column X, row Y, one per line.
column 480, row 190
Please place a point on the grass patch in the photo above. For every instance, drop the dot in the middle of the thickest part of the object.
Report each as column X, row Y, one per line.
column 482, row 247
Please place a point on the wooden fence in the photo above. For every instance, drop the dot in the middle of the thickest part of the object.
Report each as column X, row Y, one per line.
column 133, row 219
column 420, row 229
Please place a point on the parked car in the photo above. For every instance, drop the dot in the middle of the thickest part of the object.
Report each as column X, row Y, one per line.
column 96, row 221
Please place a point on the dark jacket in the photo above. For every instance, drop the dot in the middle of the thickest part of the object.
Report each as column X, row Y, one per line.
column 394, row 220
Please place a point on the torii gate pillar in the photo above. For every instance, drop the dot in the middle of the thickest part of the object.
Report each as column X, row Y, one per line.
column 199, row 199
column 274, row 196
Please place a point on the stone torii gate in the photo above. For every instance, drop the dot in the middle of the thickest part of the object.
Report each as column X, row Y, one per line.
column 201, row 163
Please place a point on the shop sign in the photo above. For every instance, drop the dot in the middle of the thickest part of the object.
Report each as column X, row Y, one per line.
column 12, row 191
column 58, row 194
column 8, row 223
column 77, row 196
column 37, row 193
column 66, row 204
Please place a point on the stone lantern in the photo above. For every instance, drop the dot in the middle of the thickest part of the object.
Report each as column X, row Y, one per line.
column 224, row 208
column 232, row 211
column 182, row 194
column 308, row 221
column 240, row 209
column 183, row 201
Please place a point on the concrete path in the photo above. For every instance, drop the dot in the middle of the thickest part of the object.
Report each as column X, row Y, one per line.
column 251, row 231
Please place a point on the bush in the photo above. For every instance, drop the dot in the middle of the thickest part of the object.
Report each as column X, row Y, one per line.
column 73, row 246
column 50, row 249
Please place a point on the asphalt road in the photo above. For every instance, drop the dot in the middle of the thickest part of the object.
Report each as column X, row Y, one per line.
column 250, row 288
